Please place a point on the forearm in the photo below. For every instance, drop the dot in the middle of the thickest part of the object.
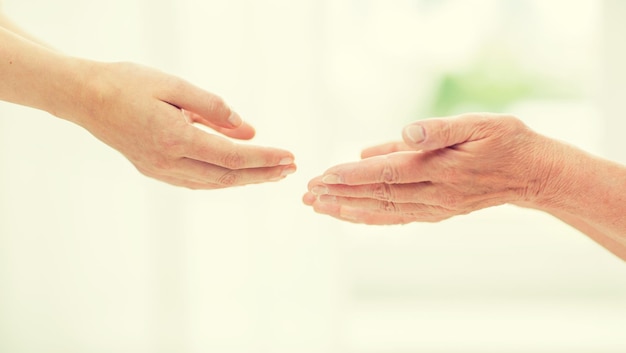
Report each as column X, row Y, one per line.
column 35, row 76
column 588, row 193
column 599, row 237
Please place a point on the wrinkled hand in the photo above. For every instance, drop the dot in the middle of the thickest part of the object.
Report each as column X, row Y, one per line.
column 149, row 117
column 444, row 167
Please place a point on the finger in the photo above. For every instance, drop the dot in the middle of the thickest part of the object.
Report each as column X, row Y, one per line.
column 403, row 193
column 432, row 134
column 197, row 171
column 309, row 198
column 360, row 216
column 222, row 152
column 211, row 107
column 386, row 148
column 425, row 193
column 379, row 206
column 244, row 131
column 395, row 168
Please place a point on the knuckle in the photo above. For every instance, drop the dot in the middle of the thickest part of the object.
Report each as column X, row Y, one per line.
column 218, row 106
column 389, row 207
column 512, row 120
column 382, row 192
column 229, row 178
column 216, row 103
column 516, row 124
column 445, row 131
column 503, row 124
column 233, row 160
column 389, row 173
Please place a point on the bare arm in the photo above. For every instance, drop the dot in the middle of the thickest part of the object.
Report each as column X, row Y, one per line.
column 143, row 113
column 24, row 64
column 589, row 193
column 616, row 246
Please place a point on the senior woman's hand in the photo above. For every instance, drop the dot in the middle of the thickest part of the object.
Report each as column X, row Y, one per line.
column 444, row 167
column 452, row 166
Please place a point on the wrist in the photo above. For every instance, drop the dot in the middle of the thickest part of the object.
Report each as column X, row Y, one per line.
column 74, row 90
column 549, row 175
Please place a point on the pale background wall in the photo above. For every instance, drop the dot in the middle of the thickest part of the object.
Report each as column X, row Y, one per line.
column 97, row 258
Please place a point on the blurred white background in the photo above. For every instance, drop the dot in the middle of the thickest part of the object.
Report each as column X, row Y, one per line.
column 95, row 257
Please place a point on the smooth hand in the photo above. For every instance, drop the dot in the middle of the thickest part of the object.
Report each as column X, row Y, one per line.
column 151, row 118
column 444, row 167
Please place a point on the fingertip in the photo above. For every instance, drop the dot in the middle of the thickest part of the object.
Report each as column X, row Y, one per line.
column 290, row 169
column 287, row 160
column 309, row 199
column 245, row 131
column 368, row 152
column 314, row 182
column 251, row 131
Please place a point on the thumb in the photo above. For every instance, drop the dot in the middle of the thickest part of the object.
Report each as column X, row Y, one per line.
column 433, row 134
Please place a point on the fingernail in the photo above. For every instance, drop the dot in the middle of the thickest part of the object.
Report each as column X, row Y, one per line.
column 286, row 161
column 234, row 119
column 415, row 133
column 319, row 190
column 288, row 171
column 332, row 179
column 349, row 215
column 328, row 198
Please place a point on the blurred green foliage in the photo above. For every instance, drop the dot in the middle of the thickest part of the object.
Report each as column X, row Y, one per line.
column 493, row 85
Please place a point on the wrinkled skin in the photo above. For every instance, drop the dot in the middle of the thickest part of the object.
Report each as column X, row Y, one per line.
column 453, row 166
column 456, row 170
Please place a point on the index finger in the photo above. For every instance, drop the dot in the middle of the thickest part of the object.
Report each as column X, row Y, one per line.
column 222, row 152
column 385, row 148
column 244, row 131
column 394, row 168
column 209, row 106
